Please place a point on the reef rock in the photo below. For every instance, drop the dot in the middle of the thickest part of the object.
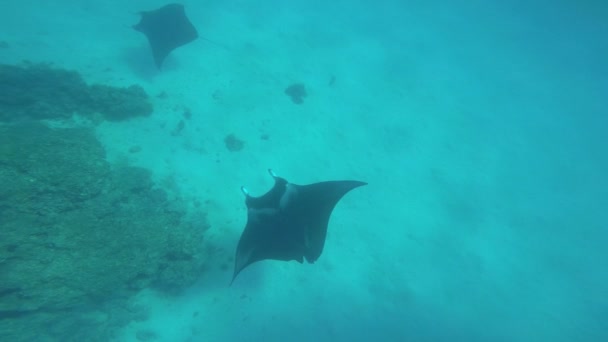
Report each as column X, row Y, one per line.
column 38, row 91
column 75, row 232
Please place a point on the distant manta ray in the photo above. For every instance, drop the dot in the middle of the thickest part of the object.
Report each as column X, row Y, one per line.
column 167, row 28
column 289, row 222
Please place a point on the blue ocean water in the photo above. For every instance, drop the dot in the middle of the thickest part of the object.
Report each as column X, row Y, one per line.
column 481, row 128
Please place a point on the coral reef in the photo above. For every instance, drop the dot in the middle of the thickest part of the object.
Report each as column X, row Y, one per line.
column 38, row 91
column 76, row 232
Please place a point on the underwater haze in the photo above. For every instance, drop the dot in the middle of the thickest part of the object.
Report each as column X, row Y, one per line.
column 481, row 128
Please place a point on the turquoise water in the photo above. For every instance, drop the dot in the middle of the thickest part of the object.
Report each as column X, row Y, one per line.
column 481, row 128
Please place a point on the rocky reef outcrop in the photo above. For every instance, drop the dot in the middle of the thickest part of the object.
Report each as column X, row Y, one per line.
column 77, row 233
column 39, row 91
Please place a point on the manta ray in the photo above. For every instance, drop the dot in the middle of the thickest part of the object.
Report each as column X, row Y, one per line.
column 289, row 222
column 167, row 28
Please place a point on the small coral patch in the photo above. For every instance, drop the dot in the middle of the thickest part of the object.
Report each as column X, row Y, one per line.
column 233, row 144
column 297, row 92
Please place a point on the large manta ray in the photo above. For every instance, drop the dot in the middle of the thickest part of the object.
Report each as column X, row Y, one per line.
column 289, row 222
column 167, row 28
